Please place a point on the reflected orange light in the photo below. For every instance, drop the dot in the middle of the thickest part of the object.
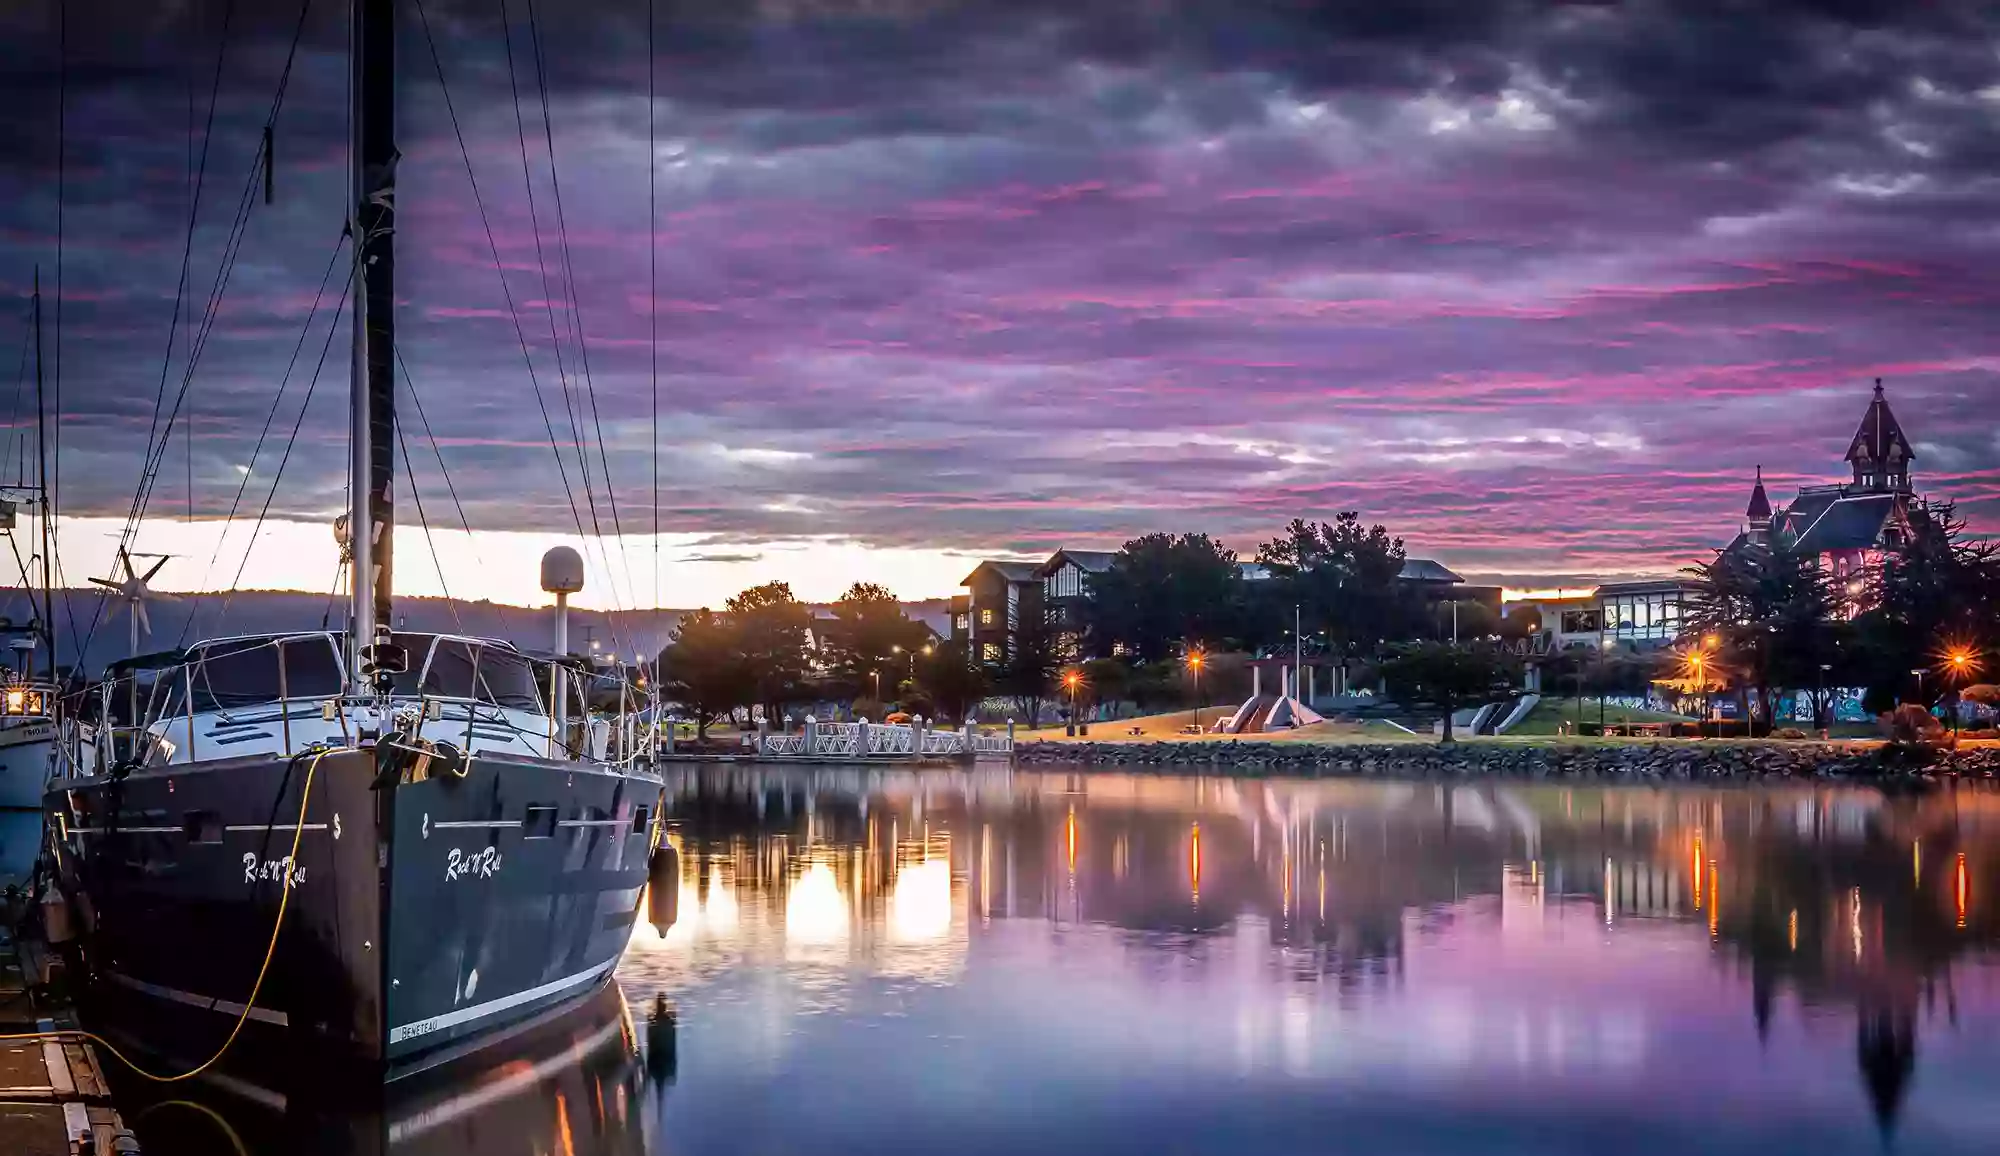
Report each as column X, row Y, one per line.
column 1069, row 839
column 1714, row 899
column 1792, row 928
column 1962, row 888
column 1696, row 872
column 1854, row 918
column 1917, row 862
column 1194, row 861
column 563, row 1136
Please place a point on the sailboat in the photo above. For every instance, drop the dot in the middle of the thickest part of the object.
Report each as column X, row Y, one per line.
column 36, row 731
column 365, row 846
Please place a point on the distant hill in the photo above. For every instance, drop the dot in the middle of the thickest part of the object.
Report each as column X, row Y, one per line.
column 184, row 618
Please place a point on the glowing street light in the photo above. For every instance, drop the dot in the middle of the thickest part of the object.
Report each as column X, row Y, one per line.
column 1697, row 662
column 1195, row 661
column 1071, row 681
column 1959, row 663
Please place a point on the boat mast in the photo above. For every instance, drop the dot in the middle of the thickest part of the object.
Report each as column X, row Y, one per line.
column 371, row 473
column 48, row 614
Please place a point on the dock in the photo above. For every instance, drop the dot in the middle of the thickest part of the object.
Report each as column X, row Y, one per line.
column 54, row 1099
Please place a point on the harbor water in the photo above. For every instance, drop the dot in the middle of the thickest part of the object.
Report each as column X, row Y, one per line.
column 998, row 962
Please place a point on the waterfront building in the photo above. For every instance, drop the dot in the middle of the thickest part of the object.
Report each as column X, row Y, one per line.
column 1844, row 526
column 999, row 597
column 1001, row 593
column 1065, row 591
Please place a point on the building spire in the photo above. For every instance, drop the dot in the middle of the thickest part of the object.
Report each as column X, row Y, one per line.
column 1760, row 502
column 1880, row 454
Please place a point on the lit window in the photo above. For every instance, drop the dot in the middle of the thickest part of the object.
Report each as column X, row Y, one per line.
column 990, row 652
column 986, row 617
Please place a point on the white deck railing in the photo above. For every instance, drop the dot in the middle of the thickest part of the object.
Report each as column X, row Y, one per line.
column 855, row 740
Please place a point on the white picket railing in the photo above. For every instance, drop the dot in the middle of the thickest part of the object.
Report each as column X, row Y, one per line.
column 992, row 744
column 832, row 740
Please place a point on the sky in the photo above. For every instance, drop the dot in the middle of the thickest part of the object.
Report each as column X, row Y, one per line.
column 915, row 282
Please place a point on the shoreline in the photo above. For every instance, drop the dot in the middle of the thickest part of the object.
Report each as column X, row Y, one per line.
column 1713, row 761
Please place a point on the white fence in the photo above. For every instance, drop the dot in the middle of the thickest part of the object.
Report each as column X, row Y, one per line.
column 859, row 740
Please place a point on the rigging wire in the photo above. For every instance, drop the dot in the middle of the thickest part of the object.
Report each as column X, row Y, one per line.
column 290, row 442
column 570, row 409
column 653, row 278
column 270, row 418
column 424, row 521
column 507, row 292
column 576, row 301
column 418, row 402
column 499, row 271
column 187, row 243
column 18, row 435
column 232, row 247
column 62, row 189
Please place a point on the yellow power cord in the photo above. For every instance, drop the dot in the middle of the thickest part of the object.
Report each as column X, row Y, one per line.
column 284, row 898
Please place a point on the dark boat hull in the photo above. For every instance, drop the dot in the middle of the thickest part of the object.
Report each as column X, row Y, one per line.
column 421, row 913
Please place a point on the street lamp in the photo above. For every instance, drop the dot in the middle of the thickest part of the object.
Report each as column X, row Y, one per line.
column 1194, row 662
column 1960, row 663
column 1071, row 681
column 1822, row 707
column 1698, row 663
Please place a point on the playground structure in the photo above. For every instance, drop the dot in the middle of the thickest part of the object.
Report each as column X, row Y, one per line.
column 1283, row 711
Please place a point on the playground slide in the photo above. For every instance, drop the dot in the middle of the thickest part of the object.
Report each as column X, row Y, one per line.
column 1522, row 706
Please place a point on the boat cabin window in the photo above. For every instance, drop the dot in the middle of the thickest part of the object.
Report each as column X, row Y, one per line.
column 508, row 679
column 228, row 675
column 460, row 669
column 312, row 669
column 244, row 672
column 19, row 700
column 450, row 673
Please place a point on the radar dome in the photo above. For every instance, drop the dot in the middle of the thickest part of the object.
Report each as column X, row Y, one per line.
column 562, row 571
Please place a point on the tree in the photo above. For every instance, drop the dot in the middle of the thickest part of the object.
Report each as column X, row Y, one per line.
column 956, row 683
column 870, row 634
column 1029, row 672
column 1936, row 591
column 1343, row 579
column 1521, row 623
column 1109, row 679
column 771, row 635
column 1162, row 592
column 702, row 668
column 1770, row 610
column 1447, row 675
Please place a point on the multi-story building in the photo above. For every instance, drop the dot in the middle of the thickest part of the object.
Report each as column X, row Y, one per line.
column 999, row 594
column 1844, row 526
column 1065, row 592
column 999, row 597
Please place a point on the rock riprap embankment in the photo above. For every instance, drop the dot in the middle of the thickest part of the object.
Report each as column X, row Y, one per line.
column 1639, row 762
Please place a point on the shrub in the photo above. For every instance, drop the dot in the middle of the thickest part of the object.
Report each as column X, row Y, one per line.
column 1910, row 723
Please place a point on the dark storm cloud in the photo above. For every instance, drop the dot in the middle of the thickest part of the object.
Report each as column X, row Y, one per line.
column 972, row 274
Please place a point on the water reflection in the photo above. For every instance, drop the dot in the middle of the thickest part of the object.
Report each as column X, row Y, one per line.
column 1001, row 962
column 1462, row 967
column 581, row 1082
